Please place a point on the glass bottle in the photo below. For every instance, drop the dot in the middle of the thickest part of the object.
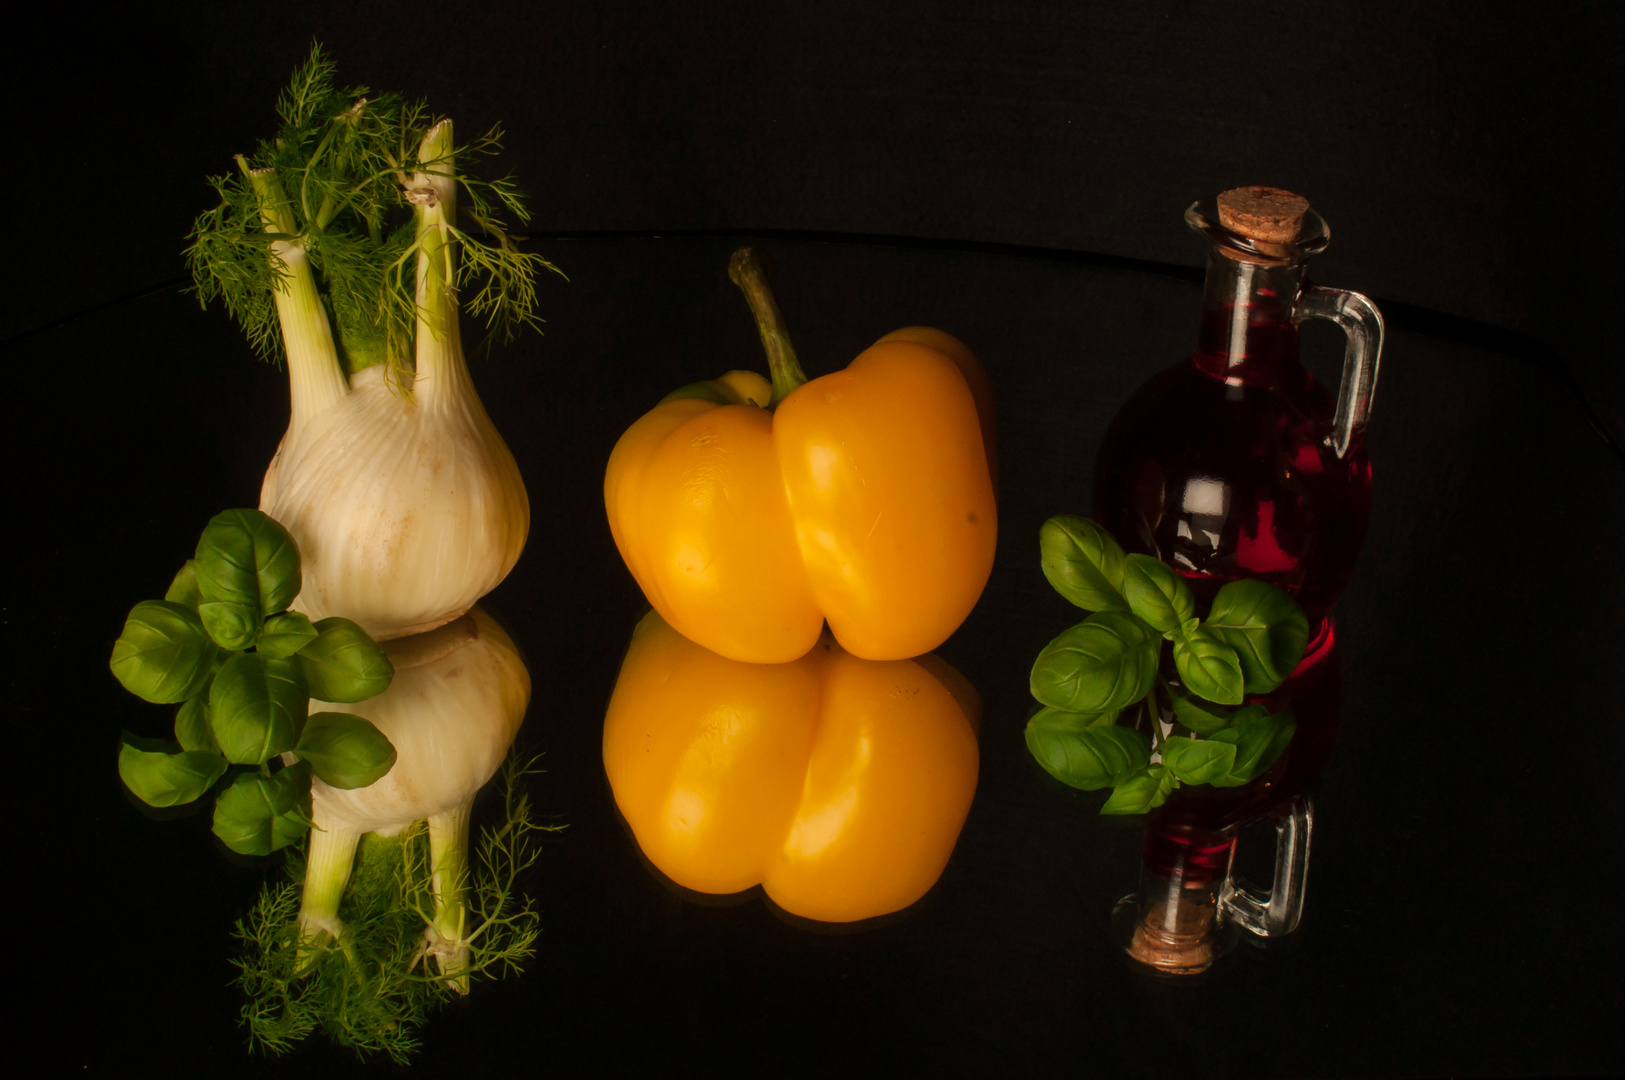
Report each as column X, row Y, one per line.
column 1236, row 462
column 1233, row 463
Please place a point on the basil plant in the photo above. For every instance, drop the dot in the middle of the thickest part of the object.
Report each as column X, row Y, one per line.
column 223, row 646
column 1091, row 674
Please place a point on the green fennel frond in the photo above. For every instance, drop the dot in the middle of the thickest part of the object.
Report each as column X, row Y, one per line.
column 342, row 159
column 310, row 87
column 237, row 265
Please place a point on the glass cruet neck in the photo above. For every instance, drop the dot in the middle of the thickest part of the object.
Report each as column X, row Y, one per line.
column 1248, row 333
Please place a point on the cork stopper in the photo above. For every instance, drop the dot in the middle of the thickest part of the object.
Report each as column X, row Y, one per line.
column 1266, row 214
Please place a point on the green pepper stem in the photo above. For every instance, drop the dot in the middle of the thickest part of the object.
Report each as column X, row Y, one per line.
column 745, row 270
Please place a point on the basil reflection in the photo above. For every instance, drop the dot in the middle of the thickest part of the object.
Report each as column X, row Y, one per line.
column 838, row 784
column 1189, row 895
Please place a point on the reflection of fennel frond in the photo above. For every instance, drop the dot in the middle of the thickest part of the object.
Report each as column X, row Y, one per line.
column 366, row 989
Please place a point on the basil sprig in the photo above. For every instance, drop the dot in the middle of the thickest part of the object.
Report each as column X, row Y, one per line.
column 244, row 670
column 1254, row 635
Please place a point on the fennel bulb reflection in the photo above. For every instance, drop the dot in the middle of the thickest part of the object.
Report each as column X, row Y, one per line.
column 451, row 712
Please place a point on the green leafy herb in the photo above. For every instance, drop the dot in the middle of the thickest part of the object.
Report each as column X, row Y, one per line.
column 343, row 664
column 1199, row 716
column 286, row 634
column 1264, row 626
column 246, row 707
column 256, row 708
column 1208, row 667
column 1260, row 738
column 1197, row 761
column 257, row 814
column 1086, row 750
column 345, row 751
column 192, row 728
column 246, row 558
column 1145, row 789
column 1252, row 639
column 164, row 655
column 1157, row 595
column 183, row 589
column 160, row 779
column 1100, row 665
column 1083, row 563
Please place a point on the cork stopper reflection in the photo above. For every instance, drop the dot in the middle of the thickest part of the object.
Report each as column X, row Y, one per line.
column 1183, row 948
column 1266, row 214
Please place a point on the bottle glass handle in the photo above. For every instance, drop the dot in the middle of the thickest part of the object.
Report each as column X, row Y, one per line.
column 1276, row 912
column 1362, row 322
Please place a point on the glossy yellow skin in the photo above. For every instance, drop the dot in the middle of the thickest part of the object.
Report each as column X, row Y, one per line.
column 865, row 499
column 838, row 784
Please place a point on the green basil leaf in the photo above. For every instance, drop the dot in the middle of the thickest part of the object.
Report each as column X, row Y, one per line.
column 343, row 664
column 293, row 822
column 1157, row 594
column 160, row 779
column 232, row 625
column 1200, row 716
column 257, row 707
column 183, row 589
column 192, row 728
column 1083, row 562
column 1197, row 761
column 1085, row 750
column 256, row 815
column 1265, row 627
column 1208, row 667
column 245, row 557
column 1145, row 789
column 1102, row 664
column 163, row 655
column 1260, row 739
column 345, row 751
column 286, row 634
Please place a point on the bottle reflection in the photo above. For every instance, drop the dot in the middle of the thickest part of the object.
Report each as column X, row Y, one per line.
column 1188, row 890
column 837, row 784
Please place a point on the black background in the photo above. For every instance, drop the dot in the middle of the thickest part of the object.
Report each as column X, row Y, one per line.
column 1015, row 174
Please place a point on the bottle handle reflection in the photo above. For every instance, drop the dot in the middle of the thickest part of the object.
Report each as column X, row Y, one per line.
column 1191, row 897
column 1275, row 912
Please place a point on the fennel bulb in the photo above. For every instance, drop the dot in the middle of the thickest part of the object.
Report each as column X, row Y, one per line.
column 456, row 702
column 406, row 504
column 407, row 508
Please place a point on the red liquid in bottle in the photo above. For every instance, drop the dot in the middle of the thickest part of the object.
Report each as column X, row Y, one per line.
column 1221, row 466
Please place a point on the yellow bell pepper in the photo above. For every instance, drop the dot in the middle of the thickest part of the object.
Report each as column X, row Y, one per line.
column 838, row 784
column 750, row 515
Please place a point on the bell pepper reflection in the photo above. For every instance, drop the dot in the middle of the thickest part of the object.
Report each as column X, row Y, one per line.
column 838, row 784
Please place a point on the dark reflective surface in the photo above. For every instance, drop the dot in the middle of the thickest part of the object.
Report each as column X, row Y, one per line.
column 1454, row 817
